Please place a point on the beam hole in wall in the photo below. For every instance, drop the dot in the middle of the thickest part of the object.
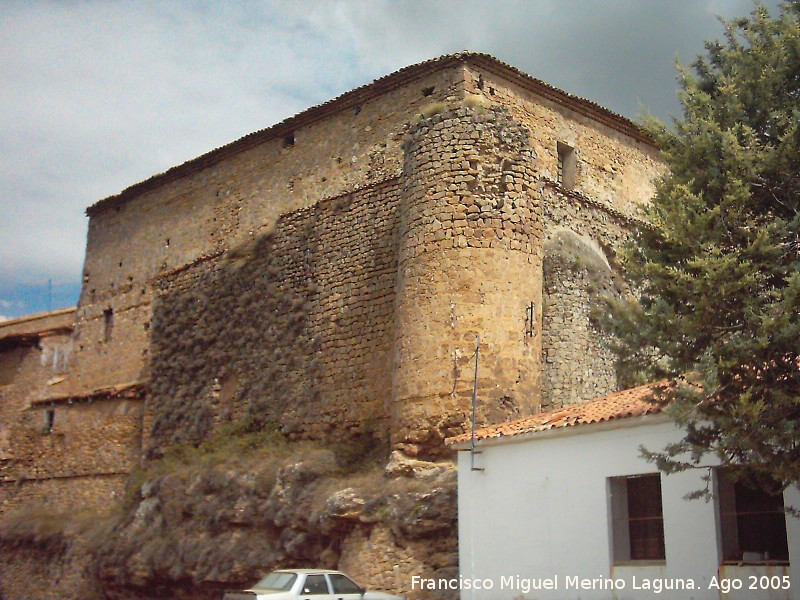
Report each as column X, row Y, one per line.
column 356, row 110
column 288, row 140
column 428, row 90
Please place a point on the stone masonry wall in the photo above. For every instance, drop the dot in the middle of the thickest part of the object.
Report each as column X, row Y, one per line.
column 582, row 237
column 579, row 366
column 611, row 167
column 67, row 454
column 223, row 205
column 294, row 328
column 81, row 462
column 35, row 352
column 94, row 493
column 469, row 265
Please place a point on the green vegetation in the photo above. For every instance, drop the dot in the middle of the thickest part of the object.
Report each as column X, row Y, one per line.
column 39, row 528
column 434, row 108
column 719, row 271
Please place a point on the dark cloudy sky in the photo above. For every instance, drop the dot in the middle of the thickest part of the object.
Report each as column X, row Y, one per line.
column 96, row 95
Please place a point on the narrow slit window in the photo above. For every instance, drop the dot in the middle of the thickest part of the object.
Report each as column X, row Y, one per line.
column 49, row 420
column 567, row 166
column 108, row 324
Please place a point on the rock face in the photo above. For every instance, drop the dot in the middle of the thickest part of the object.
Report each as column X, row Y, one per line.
column 200, row 529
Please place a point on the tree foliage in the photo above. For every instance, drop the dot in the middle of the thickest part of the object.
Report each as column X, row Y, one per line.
column 718, row 269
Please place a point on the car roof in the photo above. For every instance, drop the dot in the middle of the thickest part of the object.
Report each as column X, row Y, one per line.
column 307, row 571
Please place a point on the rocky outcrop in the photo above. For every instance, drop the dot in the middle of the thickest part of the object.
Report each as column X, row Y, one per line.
column 192, row 530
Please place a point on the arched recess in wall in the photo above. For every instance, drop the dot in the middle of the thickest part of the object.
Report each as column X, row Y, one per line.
column 577, row 363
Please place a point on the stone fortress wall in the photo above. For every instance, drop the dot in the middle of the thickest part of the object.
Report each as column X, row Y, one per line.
column 330, row 275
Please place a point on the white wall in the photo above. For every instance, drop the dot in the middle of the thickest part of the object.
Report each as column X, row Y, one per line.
column 539, row 511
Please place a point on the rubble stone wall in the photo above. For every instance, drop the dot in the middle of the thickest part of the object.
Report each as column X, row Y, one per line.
column 93, row 493
column 293, row 329
column 581, row 270
column 81, row 461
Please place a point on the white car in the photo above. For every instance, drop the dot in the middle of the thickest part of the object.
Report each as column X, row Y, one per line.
column 307, row 584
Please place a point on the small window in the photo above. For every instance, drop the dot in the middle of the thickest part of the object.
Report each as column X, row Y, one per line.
column 567, row 166
column 752, row 523
column 288, row 140
column 344, row 585
column 49, row 420
column 108, row 324
column 315, row 585
column 428, row 91
column 637, row 518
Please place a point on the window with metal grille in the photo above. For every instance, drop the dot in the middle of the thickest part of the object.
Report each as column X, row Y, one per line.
column 637, row 518
column 752, row 522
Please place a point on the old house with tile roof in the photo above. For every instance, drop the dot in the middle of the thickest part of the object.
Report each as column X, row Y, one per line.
column 562, row 504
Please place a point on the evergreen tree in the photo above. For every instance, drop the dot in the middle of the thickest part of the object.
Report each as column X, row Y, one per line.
column 718, row 270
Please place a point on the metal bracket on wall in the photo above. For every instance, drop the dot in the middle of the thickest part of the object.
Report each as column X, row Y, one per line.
column 529, row 314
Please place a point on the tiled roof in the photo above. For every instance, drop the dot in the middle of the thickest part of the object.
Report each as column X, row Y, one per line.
column 634, row 402
column 365, row 92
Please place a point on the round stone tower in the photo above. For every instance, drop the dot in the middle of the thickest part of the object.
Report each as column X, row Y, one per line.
column 470, row 264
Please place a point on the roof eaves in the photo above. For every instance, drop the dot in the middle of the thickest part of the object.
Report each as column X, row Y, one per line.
column 578, row 429
column 313, row 114
column 36, row 316
column 366, row 92
column 124, row 390
column 633, row 402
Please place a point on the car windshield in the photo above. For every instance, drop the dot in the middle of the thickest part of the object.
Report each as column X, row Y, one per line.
column 277, row 581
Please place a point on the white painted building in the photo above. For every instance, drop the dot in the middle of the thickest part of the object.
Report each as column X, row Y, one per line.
column 564, row 502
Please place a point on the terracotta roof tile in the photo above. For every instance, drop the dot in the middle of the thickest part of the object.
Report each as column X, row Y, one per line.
column 634, row 402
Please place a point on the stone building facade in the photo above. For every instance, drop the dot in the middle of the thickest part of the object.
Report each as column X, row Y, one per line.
column 330, row 275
